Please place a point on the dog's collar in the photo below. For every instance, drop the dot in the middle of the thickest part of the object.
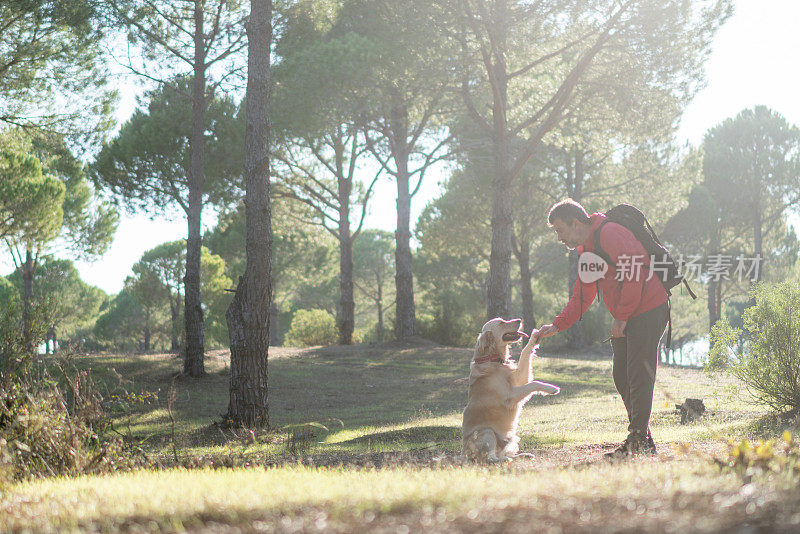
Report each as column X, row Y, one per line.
column 486, row 359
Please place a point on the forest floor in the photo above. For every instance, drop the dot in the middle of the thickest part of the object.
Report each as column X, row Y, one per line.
column 364, row 438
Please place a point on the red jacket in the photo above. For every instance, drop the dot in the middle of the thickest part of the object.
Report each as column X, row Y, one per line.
column 626, row 299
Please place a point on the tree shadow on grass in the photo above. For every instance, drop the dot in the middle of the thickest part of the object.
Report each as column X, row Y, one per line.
column 363, row 385
column 408, row 436
column 372, row 385
column 772, row 425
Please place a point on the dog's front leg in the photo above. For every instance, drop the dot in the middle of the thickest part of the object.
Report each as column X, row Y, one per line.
column 524, row 373
column 519, row 393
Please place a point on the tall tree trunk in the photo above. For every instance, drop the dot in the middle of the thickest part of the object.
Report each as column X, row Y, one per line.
column 28, row 268
column 193, row 312
column 405, row 313
column 714, row 288
column 274, row 327
column 713, row 310
column 498, row 297
column 758, row 244
column 175, row 315
column 147, row 330
column 249, row 312
column 575, row 176
column 575, row 332
column 379, row 302
column 346, row 307
column 526, row 279
column 345, row 316
column 758, row 239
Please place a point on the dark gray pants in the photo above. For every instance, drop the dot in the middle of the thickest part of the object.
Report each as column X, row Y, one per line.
column 635, row 361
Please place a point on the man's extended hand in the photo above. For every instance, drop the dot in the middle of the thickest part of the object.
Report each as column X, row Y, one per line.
column 618, row 328
column 544, row 331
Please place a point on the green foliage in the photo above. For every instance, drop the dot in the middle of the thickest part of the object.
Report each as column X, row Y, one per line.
column 52, row 73
column 147, row 164
column 369, row 331
column 163, row 33
column 151, row 303
column 84, row 223
column 9, row 295
column 725, row 338
column 31, row 203
column 758, row 151
column 42, row 210
column 596, row 327
column 309, row 94
column 767, row 359
column 89, row 221
column 311, row 328
column 454, row 320
column 121, row 325
column 451, row 309
column 304, row 268
column 158, row 281
column 66, row 302
column 214, row 284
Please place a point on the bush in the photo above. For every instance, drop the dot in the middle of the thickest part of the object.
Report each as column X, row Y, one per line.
column 311, row 327
column 368, row 333
column 765, row 354
column 49, row 426
column 451, row 319
column 49, row 430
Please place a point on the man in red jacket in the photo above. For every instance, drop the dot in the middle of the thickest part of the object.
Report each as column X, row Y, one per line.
column 636, row 299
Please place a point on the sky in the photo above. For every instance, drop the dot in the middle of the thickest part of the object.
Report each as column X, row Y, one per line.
column 753, row 62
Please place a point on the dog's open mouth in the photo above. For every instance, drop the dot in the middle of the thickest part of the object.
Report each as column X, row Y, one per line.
column 514, row 336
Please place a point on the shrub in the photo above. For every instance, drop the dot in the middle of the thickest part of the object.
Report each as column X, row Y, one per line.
column 46, row 432
column 453, row 320
column 765, row 354
column 311, row 327
column 368, row 333
column 50, row 427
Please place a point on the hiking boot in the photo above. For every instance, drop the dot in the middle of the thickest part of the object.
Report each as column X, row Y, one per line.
column 650, row 445
column 636, row 443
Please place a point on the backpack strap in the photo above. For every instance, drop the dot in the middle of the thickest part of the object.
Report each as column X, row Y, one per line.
column 669, row 324
column 689, row 289
column 598, row 249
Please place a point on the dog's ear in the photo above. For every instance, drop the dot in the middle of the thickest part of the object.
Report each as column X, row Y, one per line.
column 484, row 345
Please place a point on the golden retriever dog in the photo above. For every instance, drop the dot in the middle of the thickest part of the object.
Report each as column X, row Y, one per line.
column 498, row 389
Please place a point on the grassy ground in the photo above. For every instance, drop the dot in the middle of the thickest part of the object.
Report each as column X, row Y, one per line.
column 385, row 462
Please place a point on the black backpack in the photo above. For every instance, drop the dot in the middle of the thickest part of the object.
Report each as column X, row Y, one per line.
column 634, row 220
